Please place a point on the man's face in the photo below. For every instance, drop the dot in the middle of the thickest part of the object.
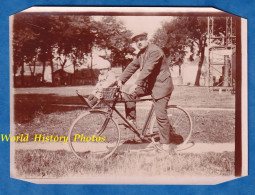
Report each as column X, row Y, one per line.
column 141, row 42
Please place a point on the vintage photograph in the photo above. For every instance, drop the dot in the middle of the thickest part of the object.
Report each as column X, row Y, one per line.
column 128, row 95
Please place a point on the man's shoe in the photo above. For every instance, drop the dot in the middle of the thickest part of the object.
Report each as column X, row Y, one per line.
column 176, row 138
column 165, row 146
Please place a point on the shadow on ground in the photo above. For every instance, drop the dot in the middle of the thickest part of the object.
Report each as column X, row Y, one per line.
column 27, row 105
column 135, row 146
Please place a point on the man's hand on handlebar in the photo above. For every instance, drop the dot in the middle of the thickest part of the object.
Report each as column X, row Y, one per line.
column 132, row 90
column 119, row 83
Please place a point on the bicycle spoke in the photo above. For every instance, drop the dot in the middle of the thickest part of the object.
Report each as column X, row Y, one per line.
column 179, row 120
column 94, row 135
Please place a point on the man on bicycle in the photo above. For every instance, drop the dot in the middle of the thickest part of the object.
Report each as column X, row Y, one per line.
column 155, row 80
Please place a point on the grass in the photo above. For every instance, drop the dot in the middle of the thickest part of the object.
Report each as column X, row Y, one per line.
column 213, row 126
column 35, row 114
column 189, row 96
column 27, row 102
column 48, row 164
column 209, row 126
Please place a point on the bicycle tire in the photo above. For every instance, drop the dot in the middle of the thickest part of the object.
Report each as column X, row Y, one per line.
column 179, row 119
column 94, row 135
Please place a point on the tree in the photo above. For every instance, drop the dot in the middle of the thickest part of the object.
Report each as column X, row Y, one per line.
column 172, row 38
column 73, row 40
column 48, row 29
column 113, row 35
column 24, row 45
column 197, row 28
column 181, row 32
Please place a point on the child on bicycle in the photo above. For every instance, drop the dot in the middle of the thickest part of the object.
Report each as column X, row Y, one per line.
column 106, row 79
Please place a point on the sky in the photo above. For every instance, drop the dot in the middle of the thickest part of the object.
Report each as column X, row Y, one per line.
column 147, row 24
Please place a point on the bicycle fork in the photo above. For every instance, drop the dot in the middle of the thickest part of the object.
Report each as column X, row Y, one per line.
column 101, row 130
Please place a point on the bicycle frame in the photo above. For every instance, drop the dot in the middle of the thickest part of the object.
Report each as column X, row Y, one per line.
column 112, row 108
column 148, row 133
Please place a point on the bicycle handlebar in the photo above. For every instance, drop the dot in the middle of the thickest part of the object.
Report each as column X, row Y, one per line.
column 132, row 98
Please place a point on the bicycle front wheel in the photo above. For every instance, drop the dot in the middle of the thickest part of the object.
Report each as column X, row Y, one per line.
column 180, row 121
column 94, row 135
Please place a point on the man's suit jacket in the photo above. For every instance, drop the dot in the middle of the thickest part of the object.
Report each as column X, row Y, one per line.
column 154, row 71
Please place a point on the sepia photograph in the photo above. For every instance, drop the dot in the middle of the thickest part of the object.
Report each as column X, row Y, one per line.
column 128, row 95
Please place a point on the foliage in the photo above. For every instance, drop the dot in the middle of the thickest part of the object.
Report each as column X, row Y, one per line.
column 61, row 38
column 183, row 33
column 113, row 35
column 24, row 43
column 173, row 40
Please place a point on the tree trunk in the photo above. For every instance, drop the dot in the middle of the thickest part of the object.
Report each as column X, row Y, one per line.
column 15, row 79
column 22, row 74
column 51, row 66
column 92, row 77
column 32, row 71
column 226, row 71
column 62, row 76
column 72, row 80
column 44, row 64
column 62, row 73
column 200, row 64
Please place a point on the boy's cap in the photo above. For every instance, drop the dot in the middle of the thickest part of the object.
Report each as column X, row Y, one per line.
column 103, row 64
column 139, row 34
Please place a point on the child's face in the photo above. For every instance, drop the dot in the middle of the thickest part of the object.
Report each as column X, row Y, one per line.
column 103, row 71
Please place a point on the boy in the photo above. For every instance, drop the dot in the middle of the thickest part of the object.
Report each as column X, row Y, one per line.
column 106, row 79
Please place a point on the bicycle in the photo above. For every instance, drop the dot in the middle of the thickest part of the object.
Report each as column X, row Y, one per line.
column 95, row 133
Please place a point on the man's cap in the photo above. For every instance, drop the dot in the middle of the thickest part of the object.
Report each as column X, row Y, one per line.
column 139, row 34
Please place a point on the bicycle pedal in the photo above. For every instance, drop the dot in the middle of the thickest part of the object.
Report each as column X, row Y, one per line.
column 132, row 141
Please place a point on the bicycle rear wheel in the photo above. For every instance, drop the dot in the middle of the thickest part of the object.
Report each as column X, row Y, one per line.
column 180, row 121
column 94, row 135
